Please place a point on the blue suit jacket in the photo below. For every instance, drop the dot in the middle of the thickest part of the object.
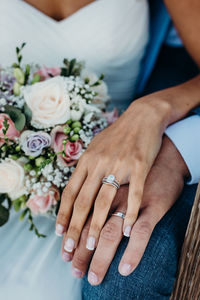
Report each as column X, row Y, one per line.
column 159, row 25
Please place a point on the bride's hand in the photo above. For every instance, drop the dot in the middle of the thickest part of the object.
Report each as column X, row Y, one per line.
column 127, row 149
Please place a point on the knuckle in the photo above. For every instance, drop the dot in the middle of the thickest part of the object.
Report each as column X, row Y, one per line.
column 95, row 228
column 79, row 262
column 85, row 233
column 68, row 192
column 110, row 232
column 138, row 157
column 81, row 204
column 62, row 217
column 101, row 204
column 144, row 228
column 73, row 231
column 138, row 194
column 132, row 216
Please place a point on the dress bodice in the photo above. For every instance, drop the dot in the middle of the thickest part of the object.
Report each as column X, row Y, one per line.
column 109, row 35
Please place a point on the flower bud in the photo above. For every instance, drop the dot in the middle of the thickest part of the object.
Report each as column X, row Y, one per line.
column 75, row 137
column 67, row 130
column 77, row 129
column 76, row 124
column 19, row 75
column 14, row 157
column 28, row 167
column 16, row 88
column 64, row 142
column 17, row 148
column 69, row 122
column 39, row 161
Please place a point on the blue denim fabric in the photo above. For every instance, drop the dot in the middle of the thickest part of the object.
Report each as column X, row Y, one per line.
column 154, row 277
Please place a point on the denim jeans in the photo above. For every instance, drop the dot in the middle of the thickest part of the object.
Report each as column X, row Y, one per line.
column 154, row 277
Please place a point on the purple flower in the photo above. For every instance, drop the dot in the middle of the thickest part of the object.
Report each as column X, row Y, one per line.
column 7, row 81
column 32, row 143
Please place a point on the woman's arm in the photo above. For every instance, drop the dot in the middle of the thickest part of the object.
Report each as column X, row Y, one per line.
column 186, row 17
column 176, row 102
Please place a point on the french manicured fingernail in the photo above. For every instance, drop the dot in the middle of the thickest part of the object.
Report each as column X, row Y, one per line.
column 77, row 273
column 59, row 230
column 69, row 245
column 125, row 269
column 90, row 243
column 92, row 278
column 66, row 257
column 127, row 231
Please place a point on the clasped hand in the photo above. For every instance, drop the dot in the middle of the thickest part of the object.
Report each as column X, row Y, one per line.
column 127, row 149
column 162, row 188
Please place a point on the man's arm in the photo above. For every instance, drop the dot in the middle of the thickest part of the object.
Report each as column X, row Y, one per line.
column 186, row 17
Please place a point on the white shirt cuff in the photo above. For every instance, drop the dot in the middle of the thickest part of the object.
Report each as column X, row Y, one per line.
column 185, row 135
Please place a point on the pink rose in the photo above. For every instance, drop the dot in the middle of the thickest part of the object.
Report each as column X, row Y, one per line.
column 46, row 72
column 41, row 204
column 111, row 116
column 11, row 133
column 72, row 150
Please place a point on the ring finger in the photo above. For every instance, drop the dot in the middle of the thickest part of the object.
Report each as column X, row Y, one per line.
column 102, row 206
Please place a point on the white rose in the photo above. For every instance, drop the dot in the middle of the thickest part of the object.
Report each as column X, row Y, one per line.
column 102, row 89
column 49, row 102
column 12, row 179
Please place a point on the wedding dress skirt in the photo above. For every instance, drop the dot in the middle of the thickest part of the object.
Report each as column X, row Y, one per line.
column 111, row 36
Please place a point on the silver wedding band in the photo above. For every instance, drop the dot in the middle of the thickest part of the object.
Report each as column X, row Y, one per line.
column 119, row 214
column 111, row 180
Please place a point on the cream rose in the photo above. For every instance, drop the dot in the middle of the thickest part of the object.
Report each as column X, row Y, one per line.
column 12, row 179
column 49, row 102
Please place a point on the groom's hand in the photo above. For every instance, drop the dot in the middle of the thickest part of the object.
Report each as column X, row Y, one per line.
column 163, row 186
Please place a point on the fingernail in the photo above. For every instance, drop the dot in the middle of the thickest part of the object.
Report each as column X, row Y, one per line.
column 69, row 245
column 90, row 243
column 92, row 278
column 77, row 273
column 125, row 269
column 66, row 257
column 127, row 231
column 59, row 230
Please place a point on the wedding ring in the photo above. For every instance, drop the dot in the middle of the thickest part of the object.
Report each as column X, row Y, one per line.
column 111, row 180
column 119, row 214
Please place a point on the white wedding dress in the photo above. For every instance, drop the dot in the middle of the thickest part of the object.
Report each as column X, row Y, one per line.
column 111, row 36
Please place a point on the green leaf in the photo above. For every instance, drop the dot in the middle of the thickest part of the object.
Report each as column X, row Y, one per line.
column 28, row 113
column 36, row 78
column 5, row 126
column 16, row 116
column 71, row 66
column 23, row 45
column 17, row 205
column 4, row 215
column 23, row 214
column 20, row 122
column 2, row 198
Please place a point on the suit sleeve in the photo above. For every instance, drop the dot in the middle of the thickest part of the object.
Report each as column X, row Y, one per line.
column 185, row 135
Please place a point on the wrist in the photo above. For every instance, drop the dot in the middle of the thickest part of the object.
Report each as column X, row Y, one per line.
column 156, row 107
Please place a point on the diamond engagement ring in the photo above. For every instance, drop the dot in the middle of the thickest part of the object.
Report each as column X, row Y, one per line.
column 119, row 214
column 111, row 180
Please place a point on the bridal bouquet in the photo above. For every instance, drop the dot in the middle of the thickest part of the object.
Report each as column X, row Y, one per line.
column 48, row 117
